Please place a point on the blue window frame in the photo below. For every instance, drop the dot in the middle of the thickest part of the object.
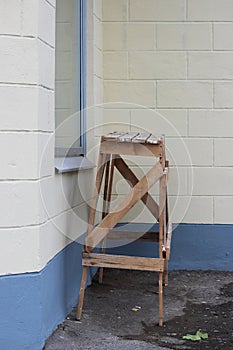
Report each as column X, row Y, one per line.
column 70, row 77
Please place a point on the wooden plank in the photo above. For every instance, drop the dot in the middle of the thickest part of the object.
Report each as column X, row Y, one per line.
column 98, row 182
column 133, row 235
column 132, row 179
column 114, row 135
column 123, row 262
column 141, row 138
column 128, row 137
column 154, row 139
column 135, row 194
column 133, row 149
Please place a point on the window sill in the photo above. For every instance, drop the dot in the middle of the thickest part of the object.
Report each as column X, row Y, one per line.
column 72, row 164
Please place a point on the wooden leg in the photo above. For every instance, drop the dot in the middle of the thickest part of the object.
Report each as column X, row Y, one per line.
column 107, row 199
column 161, row 242
column 81, row 294
column 99, row 177
column 160, row 299
column 165, row 272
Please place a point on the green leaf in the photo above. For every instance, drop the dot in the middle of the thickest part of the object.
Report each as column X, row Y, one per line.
column 202, row 335
column 194, row 337
column 191, row 337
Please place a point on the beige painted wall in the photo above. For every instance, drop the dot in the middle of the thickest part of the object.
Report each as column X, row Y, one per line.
column 168, row 69
column 41, row 211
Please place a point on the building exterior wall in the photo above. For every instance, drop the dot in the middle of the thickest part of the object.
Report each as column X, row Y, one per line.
column 42, row 213
column 36, row 201
column 27, row 125
column 162, row 66
column 168, row 69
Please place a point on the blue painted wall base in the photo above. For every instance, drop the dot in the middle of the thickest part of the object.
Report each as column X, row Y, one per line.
column 194, row 247
column 33, row 304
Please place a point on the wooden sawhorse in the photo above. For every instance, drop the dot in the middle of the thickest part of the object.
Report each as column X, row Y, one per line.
column 112, row 147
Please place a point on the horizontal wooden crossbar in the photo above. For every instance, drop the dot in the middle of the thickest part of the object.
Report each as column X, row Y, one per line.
column 133, row 235
column 123, row 262
column 133, row 149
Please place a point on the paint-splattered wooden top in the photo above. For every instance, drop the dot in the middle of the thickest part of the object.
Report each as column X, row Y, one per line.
column 134, row 137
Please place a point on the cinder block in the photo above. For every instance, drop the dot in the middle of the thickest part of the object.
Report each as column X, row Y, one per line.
column 34, row 105
column 210, row 10
column 223, row 155
column 19, row 205
column 57, row 234
column 184, row 94
column 114, row 36
column 29, row 61
column 157, row 65
column 115, row 10
column 52, row 2
column 98, row 62
column 98, row 91
column 45, row 110
column 46, row 65
column 131, row 36
column 138, row 94
column 26, row 155
column 223, row 210
column 30, row 18
column 115, row 65
column 97, row 9
column 20, row 55
column 191, row 209
column 157, row 10
column 190, row 152
column 141, row 36
column 23, row 245
column 210, row 65
column 46, row 22
column 171, row 122
column 210, row 123
column 213, row 181
column 98, row 33
column 10, row 17
column 184, row 36
column 223, row 36
column 56, row 194
column 113, row 120
column 223, row 94
column 38, row 20
column 178, row 184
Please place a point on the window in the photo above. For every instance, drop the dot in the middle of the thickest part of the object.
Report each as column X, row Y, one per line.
column 70, row 77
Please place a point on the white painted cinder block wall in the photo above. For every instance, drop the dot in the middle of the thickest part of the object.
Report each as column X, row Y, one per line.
column 41, row 212
column 168, row 69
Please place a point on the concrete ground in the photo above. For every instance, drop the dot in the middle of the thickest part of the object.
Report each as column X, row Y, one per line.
column 193, row 300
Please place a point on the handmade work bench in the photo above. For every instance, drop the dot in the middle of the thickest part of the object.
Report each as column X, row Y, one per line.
column 112, row 147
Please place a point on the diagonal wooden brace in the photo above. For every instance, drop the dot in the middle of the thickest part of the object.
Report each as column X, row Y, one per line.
column 132, row 179
column 135, row 194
